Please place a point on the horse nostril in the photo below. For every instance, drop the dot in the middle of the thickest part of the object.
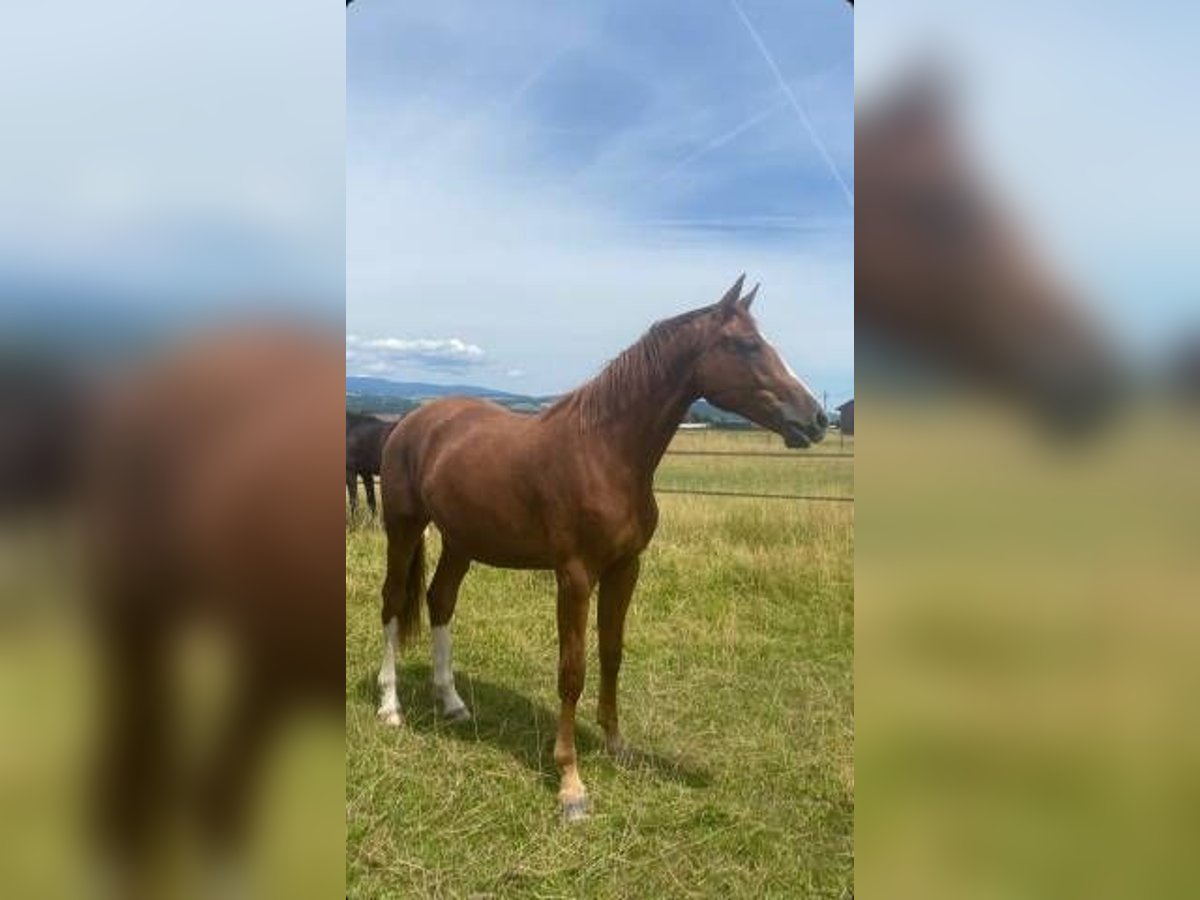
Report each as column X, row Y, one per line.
column 822, row 420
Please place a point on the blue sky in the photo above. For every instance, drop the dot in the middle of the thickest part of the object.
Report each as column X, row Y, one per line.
column 171, row 161
column 527, row 192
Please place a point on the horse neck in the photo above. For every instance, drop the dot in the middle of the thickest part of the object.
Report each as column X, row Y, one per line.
column 642, row 433
column 661, row 423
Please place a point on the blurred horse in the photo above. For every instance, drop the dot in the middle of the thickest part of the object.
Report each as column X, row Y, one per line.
column 571, row 490
column 943, row 273
column 208, row 498
column 365, row 437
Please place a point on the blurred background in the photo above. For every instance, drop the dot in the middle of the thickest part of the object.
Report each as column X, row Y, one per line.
column 1026, row 569
column 173, row 181
column 171, row 570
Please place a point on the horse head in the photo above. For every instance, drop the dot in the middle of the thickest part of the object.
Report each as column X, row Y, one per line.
column 741, row 372
column 943, row 272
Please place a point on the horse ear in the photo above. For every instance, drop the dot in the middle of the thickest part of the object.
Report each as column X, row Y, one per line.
column 745, row 302
column 727, row 303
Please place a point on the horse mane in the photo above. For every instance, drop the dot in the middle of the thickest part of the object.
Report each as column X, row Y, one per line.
column 651, row 359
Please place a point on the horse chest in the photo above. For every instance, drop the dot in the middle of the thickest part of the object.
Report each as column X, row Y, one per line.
column 617, row 529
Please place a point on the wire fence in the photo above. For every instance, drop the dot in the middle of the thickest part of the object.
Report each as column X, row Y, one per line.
column 755, row 495
column 783, row 454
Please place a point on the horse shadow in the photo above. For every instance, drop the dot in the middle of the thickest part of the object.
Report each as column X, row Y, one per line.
column 521, row 727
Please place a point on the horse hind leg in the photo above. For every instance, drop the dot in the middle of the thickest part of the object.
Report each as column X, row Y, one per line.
column 236, row 766
column 389, row 701
column 443, row 595
column 402, row 589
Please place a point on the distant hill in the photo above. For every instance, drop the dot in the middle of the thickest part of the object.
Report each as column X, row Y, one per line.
column 703, row 411
column 382, row 395
column 419, row 390
column 375, row 404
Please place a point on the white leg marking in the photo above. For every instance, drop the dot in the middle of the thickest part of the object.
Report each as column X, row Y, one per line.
column 450, row 704
column 389, row 703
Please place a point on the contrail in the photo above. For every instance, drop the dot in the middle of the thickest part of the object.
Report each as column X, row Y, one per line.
column 461, row 129
column 535, row 76
column 787, row 90
column 721, row 140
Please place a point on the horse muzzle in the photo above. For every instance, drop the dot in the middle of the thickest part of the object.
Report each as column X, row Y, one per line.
column 799, row 434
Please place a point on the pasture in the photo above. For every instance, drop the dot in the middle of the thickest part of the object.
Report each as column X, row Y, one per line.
column 736, row 692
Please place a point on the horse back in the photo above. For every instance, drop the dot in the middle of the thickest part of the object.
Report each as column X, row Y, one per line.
column 512, row 490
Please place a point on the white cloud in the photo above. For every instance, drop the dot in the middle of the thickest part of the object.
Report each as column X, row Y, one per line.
column 403, row 357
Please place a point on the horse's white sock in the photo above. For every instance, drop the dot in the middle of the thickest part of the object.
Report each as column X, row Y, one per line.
column 389, row 702
column 443, row 672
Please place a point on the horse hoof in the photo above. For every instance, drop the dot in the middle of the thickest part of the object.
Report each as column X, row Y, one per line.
column 620, row 752
column 462, row 714
column 390, row 717
column 574, row 810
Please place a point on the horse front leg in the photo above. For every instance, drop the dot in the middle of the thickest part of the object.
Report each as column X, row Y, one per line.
column 574, row 592
column 616, row 590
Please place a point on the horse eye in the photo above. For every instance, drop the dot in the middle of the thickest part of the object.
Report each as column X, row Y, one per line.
column 744, row 346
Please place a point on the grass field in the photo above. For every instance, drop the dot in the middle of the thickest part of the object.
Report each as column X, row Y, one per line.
column 736, row 691
column 790, row 474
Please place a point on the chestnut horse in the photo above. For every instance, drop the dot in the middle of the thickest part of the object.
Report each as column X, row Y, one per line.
column 571, row 490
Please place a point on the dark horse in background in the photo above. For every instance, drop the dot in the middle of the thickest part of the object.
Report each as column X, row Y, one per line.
column 40, row 402
column 570, row 490
column 365, row 437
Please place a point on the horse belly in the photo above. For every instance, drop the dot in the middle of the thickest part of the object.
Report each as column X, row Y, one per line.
column 493, row 524
column 494, row 542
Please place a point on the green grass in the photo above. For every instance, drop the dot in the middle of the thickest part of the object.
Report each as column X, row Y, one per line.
column 736, row 692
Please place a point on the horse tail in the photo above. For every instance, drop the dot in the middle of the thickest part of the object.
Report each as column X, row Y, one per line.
column 409, row 616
